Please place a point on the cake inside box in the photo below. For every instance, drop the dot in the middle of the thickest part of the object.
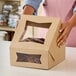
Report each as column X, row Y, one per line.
column 21, row 57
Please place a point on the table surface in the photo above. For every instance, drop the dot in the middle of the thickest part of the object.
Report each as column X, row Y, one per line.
column 66, row 68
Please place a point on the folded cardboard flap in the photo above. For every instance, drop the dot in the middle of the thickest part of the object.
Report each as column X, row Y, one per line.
column 37, row 52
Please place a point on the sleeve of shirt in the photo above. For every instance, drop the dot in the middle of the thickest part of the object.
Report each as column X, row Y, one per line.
column 33, row 3
column 74, row 10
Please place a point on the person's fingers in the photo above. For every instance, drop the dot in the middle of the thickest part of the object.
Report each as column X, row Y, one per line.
column 64, row 32
column 62, row 28
column 62, row 41
column 60, row 37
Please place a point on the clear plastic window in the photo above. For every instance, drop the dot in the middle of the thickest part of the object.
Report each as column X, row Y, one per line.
column 35, row 32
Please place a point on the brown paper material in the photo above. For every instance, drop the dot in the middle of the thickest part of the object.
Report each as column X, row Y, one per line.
column 33, row 54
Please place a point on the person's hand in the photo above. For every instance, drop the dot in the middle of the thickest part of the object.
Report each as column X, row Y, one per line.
column 64, row 32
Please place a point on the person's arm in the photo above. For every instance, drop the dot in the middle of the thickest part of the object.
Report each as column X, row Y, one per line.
column 31, row 6
column 66, row 28
column 72, row 20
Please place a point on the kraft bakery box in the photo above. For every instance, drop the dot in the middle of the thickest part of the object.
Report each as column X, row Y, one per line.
column 37, row 52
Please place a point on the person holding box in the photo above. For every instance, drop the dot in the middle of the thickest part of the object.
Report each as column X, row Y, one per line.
column 64, row 9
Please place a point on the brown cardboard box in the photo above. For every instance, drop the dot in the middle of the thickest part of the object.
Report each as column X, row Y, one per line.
column 33, row 54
